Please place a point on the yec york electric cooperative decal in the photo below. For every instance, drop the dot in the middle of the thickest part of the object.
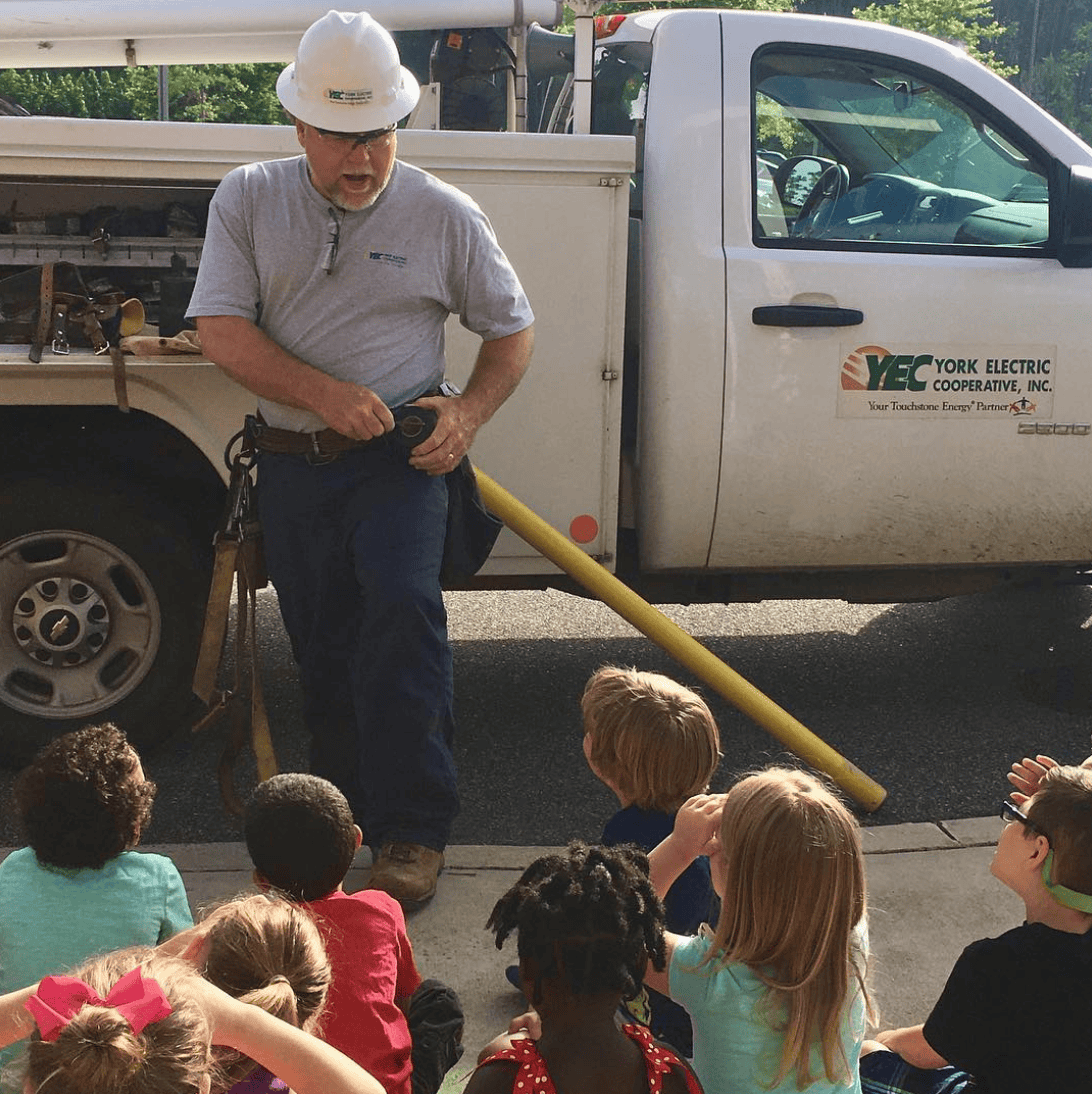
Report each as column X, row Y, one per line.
column 947, row 381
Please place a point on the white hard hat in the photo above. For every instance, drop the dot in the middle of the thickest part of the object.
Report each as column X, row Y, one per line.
column 347, row 76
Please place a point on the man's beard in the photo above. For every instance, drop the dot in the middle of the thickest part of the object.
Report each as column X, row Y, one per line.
column 356, row 205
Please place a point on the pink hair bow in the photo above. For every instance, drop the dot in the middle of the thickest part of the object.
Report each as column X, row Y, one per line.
column 59, row 999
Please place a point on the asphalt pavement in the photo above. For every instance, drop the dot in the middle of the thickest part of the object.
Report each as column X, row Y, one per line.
column 933, row 701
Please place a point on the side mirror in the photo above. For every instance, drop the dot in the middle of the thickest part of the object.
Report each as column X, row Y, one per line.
column 1075, row 240
column 796, row 178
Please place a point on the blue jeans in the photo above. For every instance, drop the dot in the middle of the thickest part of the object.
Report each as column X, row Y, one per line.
column 353, row 548
column 888, row 1073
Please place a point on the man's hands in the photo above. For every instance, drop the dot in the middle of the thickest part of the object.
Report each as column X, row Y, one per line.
column 254, row 360
column 251, row 358
column 353, row 410
column 500, row 365
column 456, row 427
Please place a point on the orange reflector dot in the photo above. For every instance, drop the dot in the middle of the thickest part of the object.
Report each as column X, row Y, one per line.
column 584, row 529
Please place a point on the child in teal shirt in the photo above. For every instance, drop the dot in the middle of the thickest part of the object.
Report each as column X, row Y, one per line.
column 80, row 888
column 776, row 990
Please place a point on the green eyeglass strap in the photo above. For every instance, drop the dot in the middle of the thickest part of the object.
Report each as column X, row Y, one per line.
column 1079, row 902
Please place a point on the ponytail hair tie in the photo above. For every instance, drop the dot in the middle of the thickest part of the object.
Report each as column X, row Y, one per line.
column 138, row 999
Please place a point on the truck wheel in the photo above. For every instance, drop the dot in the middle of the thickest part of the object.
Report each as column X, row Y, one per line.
column 101, row 604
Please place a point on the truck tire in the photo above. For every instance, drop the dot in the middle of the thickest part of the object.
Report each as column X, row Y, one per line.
column 101, row 603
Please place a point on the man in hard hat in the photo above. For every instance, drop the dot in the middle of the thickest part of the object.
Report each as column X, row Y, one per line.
column 324, row 287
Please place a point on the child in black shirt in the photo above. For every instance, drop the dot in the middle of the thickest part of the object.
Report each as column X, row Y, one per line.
column 1016, row 1012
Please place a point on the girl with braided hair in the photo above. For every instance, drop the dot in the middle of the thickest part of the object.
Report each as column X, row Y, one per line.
column 777, row 991
column 588, row 924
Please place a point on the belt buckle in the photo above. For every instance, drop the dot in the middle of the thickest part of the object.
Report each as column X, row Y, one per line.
column 316, row 457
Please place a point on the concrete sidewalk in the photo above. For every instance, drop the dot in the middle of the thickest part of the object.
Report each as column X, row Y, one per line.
column 930, row 893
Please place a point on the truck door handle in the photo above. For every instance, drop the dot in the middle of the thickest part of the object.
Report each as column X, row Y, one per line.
column 805, row 315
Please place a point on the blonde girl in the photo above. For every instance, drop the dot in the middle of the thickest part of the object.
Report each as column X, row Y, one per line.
column 777, row 991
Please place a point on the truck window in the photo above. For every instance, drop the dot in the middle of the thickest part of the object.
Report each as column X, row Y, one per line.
column 858, row 151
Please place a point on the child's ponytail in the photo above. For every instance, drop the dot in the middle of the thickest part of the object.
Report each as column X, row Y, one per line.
column 98, row 1050
column 277, row 998
column 268, row 952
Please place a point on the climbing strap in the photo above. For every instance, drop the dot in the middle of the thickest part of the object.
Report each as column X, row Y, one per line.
column 238, row 560
column 64, row 300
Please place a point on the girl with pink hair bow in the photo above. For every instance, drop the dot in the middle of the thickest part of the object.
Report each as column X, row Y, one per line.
column 136, row 1021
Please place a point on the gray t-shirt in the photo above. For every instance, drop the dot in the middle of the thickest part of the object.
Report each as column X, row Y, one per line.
column 422, row 251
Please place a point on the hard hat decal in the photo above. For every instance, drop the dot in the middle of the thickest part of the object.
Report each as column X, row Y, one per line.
column 342, row 95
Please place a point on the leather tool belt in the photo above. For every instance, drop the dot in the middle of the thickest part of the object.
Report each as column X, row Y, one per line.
column 326, row 444
column 411, row 425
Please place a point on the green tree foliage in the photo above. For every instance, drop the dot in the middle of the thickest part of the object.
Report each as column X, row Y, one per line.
column 1039, row 29
column 196, row 93
column 969, row 22
column 1063, row 83
column 70, row 93
column 1046, row 48
column 1052, row 42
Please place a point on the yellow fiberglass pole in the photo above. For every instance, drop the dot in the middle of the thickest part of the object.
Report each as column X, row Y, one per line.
column 685, row 649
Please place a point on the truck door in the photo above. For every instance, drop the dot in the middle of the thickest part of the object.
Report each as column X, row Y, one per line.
column 906, row 382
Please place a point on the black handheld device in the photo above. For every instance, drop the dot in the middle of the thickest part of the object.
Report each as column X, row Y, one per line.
column 413, row 424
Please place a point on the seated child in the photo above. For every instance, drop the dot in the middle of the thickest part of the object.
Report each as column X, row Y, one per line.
column 777, row 991
column 302, row 840
column 654, row 743
column 1016, row 1010
column 135, row 1021
column 587, row 925
column 265, row 951
column 79, row 888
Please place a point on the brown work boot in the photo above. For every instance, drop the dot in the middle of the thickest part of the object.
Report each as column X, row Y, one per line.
column 407, row 871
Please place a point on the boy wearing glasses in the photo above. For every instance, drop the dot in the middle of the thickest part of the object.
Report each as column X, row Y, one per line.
column 325, row 284
column 1016, row 1011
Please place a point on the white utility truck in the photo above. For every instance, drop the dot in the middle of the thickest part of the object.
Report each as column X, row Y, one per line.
column 812, row 303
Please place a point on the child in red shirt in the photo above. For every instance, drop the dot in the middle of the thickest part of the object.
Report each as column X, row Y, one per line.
column 302, row 839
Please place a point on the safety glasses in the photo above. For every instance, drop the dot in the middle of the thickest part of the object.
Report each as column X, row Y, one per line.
column 347, row 142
